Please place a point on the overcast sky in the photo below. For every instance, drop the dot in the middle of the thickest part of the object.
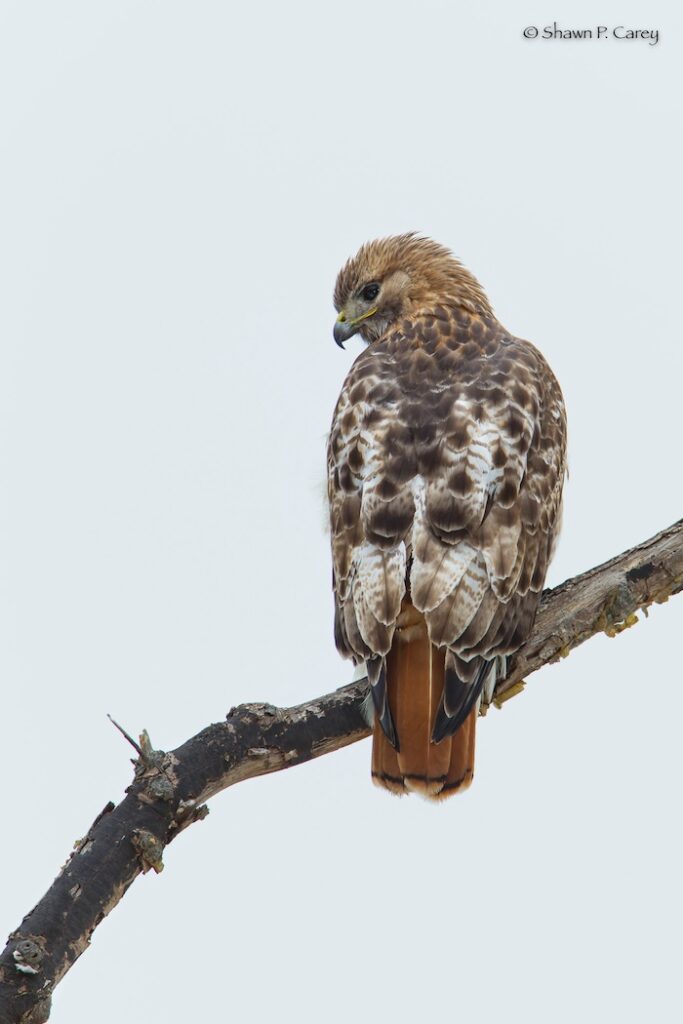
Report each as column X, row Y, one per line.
column 180, row 183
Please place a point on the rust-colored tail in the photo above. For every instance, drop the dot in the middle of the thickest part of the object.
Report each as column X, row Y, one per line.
column 415, row 681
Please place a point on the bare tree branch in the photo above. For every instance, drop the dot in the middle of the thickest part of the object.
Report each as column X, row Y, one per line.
column 602, row 600
column 169, row 790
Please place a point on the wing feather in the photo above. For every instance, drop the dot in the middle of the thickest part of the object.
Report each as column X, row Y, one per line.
column 446, row 461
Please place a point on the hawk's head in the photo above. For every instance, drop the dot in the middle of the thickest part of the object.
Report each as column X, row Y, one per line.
column 399, row 276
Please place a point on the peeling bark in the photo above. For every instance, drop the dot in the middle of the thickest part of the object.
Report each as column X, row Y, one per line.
column 169, row 790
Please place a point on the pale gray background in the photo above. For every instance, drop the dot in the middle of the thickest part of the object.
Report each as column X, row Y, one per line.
column 180, row 184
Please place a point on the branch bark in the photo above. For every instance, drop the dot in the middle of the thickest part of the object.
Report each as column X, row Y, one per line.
column 169, row 789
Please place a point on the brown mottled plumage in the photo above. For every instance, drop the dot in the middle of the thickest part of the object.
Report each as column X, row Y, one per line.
column 446, row 461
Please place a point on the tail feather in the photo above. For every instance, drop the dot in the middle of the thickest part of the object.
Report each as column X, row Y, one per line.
column 415, row 678
column 461, row 767
column 385, row 768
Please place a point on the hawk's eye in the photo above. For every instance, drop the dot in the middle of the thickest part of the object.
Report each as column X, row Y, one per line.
column 370, row 292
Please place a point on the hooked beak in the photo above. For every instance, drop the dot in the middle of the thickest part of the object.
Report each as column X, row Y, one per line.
column 345, row 329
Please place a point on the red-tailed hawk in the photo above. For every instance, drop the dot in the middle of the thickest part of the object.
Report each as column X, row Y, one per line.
column 446, row 461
